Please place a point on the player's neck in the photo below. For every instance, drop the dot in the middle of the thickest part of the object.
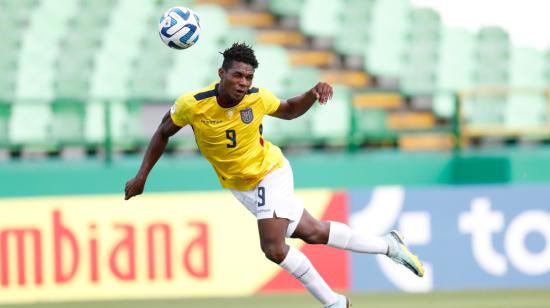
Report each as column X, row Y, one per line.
column 225, row 100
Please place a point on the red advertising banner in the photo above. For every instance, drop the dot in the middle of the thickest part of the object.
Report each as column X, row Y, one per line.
column 156, row 245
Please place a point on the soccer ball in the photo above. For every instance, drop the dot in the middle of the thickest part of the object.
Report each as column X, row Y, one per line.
column 179, row 27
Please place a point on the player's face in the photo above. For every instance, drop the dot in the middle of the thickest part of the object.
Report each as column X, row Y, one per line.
column 236, row 81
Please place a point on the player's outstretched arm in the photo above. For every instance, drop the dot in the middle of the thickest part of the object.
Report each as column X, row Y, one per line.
column 297, row 106
column 156, row 147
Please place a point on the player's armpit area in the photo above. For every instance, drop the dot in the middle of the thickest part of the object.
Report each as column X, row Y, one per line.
column 167, row 127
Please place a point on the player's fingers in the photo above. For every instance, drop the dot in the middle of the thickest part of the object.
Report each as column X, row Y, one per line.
column 129, row 191
column 315, row 92
column 127, row 194
column 325, row 93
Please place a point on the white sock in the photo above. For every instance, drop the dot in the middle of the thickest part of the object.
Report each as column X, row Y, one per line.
column 297, row 264
column 343, row 237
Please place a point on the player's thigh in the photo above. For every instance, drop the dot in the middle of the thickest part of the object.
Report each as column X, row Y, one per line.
column 274, row 197
column 272, row 230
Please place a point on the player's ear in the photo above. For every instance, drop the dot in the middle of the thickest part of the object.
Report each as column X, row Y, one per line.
column 221, row 72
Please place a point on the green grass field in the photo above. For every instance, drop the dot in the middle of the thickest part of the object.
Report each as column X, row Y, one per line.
column 470, row 299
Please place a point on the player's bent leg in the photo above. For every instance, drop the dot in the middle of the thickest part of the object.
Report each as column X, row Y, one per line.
column 399, row 253
column 272, row 240
column 338, row 235
column 311, row 230
column 343, row 237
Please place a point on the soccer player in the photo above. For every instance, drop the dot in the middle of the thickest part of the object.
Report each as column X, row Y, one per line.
column 226, row 118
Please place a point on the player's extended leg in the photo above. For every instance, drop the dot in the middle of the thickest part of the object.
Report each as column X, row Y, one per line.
column 272, row 240
column 341, row 236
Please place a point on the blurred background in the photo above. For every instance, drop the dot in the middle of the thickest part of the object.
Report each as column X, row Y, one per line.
column 439, row 126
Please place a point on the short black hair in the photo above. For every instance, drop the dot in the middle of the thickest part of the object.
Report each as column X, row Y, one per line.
column 239, row 52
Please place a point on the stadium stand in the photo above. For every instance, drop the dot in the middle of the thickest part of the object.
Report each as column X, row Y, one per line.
column 398, row 80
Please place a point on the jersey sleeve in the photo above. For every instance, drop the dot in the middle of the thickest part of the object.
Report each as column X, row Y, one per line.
column 271, row 102
column 181, row 111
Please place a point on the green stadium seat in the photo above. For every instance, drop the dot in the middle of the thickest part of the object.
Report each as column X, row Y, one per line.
column 109, row 81
column 164, row 5
column 90, row 27
column 121, row 45
column 321, row 18
column 192, row 70
column 387, row 38
column 149, row 75
column 288, row 8
column 202, row 59
column 18, row 5
column 8, row 70
column 12, row 23
column 455, row 69
column 67, row 127
column 370, row 124
column 148, row 80
column 72, row 73
column 273, row 69
column 5, row 112
column 301, row 79
column 356, row 22
column 74, row 67
column 527, row 68
column 7, row 86
column 214, row 25
column 526, row 111
column 332, row 122
column 94, row 122
column 425, row 21
column 36, row 63
column 418, row 76
column 443, row 105
column 30, row 124
column 77, row 87
column 98, row 5
column 283, row 132
column 481, row 111
column 493, row 53
column 240, row 34
column 35, row 77
column 146, row 88
column 124, row 119
column 456, row 60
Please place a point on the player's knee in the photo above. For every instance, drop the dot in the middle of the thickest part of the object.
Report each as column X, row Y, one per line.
column 317, row 233
column 275, row 252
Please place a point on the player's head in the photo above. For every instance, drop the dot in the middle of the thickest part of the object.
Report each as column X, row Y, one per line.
column 237, row 71
column 239, row 52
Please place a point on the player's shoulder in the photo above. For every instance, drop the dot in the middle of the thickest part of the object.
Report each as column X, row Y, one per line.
column 204, row 93
column 192, row 98
column 260, row 92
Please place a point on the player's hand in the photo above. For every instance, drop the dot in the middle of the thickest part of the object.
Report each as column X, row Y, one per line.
column 134, row 187
column 323, row 92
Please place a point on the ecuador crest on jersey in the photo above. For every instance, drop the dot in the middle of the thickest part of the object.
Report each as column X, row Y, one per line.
column 247, row 116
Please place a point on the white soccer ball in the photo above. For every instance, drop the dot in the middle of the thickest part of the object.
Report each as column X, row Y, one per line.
column 179, row 27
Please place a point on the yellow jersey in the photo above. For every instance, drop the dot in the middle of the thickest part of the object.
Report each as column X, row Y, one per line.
column 231, row 138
